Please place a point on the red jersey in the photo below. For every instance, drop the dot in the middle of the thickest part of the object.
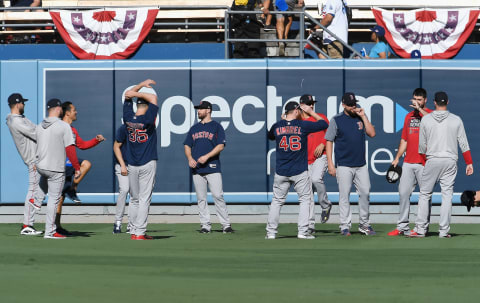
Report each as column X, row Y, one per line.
column 411, row 128
column 315, row 139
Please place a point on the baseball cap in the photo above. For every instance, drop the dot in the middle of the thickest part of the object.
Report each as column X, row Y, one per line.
column 291, row 106
column 441, row 97
column 415, row 54
column 379, row 30
column 141, row 101
column 53, row 103
column 281, row 5
column 307, row 99
column 203, row 105
column 349, row 99
column 15, row 98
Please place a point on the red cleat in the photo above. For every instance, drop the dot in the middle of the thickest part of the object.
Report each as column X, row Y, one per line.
column 414, row 234
column 141, row 237
column 55, row 236
column 395, row 233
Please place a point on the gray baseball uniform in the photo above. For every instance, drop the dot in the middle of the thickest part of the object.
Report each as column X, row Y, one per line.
column 123, row 189
column 24, row 135
column 316, row 171
column 440, row 133
column 53, row 136
column 348, row 133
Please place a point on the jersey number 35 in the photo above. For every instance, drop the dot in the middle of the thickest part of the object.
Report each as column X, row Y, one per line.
column 137, row 135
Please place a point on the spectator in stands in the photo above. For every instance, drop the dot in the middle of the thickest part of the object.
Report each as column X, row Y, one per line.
column 335, row 20
column 25, row 3
column 381, row 50
column 245, row 26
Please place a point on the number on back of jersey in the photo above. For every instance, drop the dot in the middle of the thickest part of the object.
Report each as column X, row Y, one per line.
column 292, row 143
column 137, row 135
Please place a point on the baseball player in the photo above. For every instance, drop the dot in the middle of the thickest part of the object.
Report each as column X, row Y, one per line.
column 120, row 149
column 413, row 163
column 440, row 132
column 73, row 164
column 54, row 142
column 203, row 145
column 141, row 155
column 290, row 135
column 348, row 130
column 317, row 165
column 24, row 135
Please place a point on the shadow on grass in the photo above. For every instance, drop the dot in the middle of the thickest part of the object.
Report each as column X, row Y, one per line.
column 162, row 237
column 82, row 234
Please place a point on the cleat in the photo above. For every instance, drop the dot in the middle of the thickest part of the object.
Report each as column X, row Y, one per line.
column 270, row 237
column 396, row 232
column 32, row 202
column 63, row 231
column 55, row 236
column 367, row 231
column 128, row 229
column 30, row 231
column 311, row 231
column 72, row 195
column 447, row 236
column 326, row 214
column 414, row 234
column 346, row 232
column 117, row 229
column 306, row 236
column 228, row 230
column 141, row 237
column 204, row 231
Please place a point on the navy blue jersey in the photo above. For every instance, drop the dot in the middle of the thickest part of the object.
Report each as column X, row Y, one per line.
column 202, row 138
column 121, row 137
column 291, row 144
column 348, row 133
column 142, row 135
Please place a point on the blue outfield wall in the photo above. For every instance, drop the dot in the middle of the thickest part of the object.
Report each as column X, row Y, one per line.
column 248, row 96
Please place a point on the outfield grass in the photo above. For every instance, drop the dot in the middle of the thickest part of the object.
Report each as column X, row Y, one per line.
column 181, row 265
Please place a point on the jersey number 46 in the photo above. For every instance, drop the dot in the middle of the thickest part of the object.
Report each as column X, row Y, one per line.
column 293, row 143
column 137, row 135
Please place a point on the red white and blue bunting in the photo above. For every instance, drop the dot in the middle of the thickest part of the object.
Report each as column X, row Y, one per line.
column 115, row 33
column 436, row 33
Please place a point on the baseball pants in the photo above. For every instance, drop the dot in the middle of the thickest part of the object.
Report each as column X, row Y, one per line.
column 51, row 182
column 360, row 178
column 281, row 184
column 33, row 181
column 123, row 188
column 214, row 182
column 443, row 171
column 141, row 180
column 317, row 171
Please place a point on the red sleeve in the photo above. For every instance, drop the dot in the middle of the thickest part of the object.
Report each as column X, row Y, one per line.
column 72, row 155
column 467, row 156
column 80, row 143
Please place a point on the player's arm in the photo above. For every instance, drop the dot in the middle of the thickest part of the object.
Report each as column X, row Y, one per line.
column 331, row 166
column 402, row 147
column 214, row 152
column 465, row 148
column 118, row 154
column 369, row 129
column 188, row 153
column 150, row 98
column 145, row 83
column 271, row 133
column 29, row 130
column 82, row 144
column 307, row 109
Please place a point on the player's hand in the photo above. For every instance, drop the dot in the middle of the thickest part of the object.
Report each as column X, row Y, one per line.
column 34, row 168
column 318, row 151
column 415, row 104
column 77, row 174
column 123, row 170
column 306, row 108
column 129, row 94
column 283, row 116
column 148, row 83
column 360, row 111
column 469, row 169
column 192, row 163
column 203, row 159
column 332, row 170
column 100, row 138
column 395, row 162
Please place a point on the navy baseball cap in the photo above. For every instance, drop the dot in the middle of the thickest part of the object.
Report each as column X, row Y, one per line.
column 349, row 99
column 379, row 30
column 415, row 54
column 307, row 99
column 16, row 98
column 203, row 105
column 291, row 106
column 141, row 101
column 53, row 103
column 441, row 97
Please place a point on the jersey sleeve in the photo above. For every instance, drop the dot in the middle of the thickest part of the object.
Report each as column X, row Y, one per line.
column 151, row 114
column 221, row 135
column 324, row 141
column 463, row 143
column 331, row 131
column 82, row 144
column 330, row 8
column 68, row 138
column 271, row 132
column 313, row 127
column 121, row 134
column 128, row 110
column 26, row 128
column 422, row 137
column 188, row 140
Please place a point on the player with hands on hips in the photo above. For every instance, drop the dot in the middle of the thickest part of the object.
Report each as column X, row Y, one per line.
column 348, row 130
column 141, row 155
column 203, row 145
column 291, row 137
column 413, row 163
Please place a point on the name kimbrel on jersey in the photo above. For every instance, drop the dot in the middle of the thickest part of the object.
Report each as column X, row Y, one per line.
column 288, row 130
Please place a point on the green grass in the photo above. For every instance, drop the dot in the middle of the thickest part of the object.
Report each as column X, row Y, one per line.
column 182, row 265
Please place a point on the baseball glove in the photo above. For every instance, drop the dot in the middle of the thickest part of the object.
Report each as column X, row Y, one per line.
column 393, row 173
column 468, row 199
